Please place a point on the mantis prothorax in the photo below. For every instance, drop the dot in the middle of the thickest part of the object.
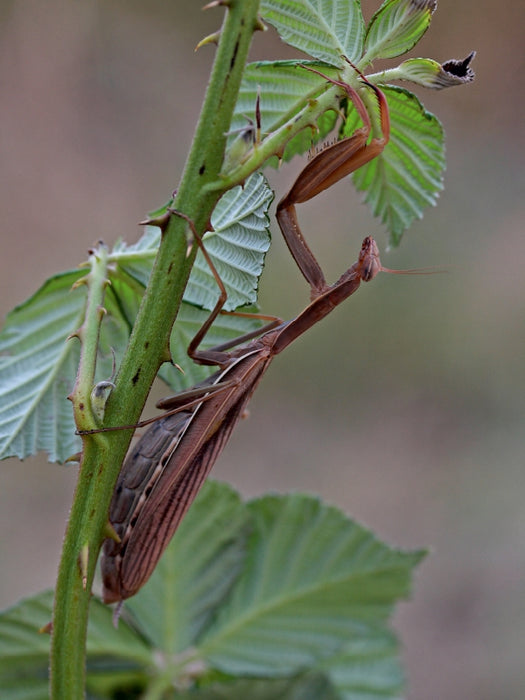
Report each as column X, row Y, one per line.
column 166, row 468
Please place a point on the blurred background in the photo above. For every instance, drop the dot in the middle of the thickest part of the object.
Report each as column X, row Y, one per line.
column 405, row 407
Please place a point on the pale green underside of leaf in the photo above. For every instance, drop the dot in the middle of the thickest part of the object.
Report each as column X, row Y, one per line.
column 282, row 587
column 408, row 176
column 237, row 246
column 324, row 29
column 396, row 27
column 37, row 370
column 38, row 366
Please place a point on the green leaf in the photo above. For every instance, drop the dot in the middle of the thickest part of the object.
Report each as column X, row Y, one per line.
column 24, row 651
column 396, row 27
column 38, row 367
column 313, row 582
column 237, row 246
column 283, row 88
column 105, row 641
column 35, row 688
column 324, row 30
column 195, row 573
column 408, row 176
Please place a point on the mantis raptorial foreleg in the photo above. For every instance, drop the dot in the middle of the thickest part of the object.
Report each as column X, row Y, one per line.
column 325, row 169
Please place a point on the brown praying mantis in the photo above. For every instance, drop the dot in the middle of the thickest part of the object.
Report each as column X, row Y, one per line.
column 164, row 471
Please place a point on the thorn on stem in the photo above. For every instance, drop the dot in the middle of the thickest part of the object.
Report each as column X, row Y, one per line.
column 83, row 561
column 75, row 334
column 210, row 39
column 260, row 26
column 110, row 532
column 217, row 3
column 81, row 281
column 160, row 221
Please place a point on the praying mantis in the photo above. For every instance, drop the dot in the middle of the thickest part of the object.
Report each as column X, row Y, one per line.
column 164, row 471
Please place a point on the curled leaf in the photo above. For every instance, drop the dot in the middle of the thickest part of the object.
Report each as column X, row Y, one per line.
column 431, row 74
column 396, row 27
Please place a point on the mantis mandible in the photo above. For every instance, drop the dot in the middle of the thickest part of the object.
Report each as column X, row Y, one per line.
column 166, row 468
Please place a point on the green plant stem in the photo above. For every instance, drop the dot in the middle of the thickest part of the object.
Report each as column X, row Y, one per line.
column 147, row 349
column 275, row 142
column 308, row 116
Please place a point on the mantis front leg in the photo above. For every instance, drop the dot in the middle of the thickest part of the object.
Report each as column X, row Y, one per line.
column 324, row 170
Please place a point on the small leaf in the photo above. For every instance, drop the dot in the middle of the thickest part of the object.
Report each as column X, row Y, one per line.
column 396, row 27
column 237, row 246
column 195, row 573
column 408, row 175
column 324, row 30
column 38, row 367
column 313, row 582
column 431, row 74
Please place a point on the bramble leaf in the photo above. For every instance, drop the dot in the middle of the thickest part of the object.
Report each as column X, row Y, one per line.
column 408, row 176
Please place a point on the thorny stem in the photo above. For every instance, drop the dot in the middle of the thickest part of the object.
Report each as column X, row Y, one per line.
column 147, row 349
column 275, row 142
column 88, row 334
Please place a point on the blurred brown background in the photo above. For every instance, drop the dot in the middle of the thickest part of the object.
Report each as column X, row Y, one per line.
column 405, row 407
